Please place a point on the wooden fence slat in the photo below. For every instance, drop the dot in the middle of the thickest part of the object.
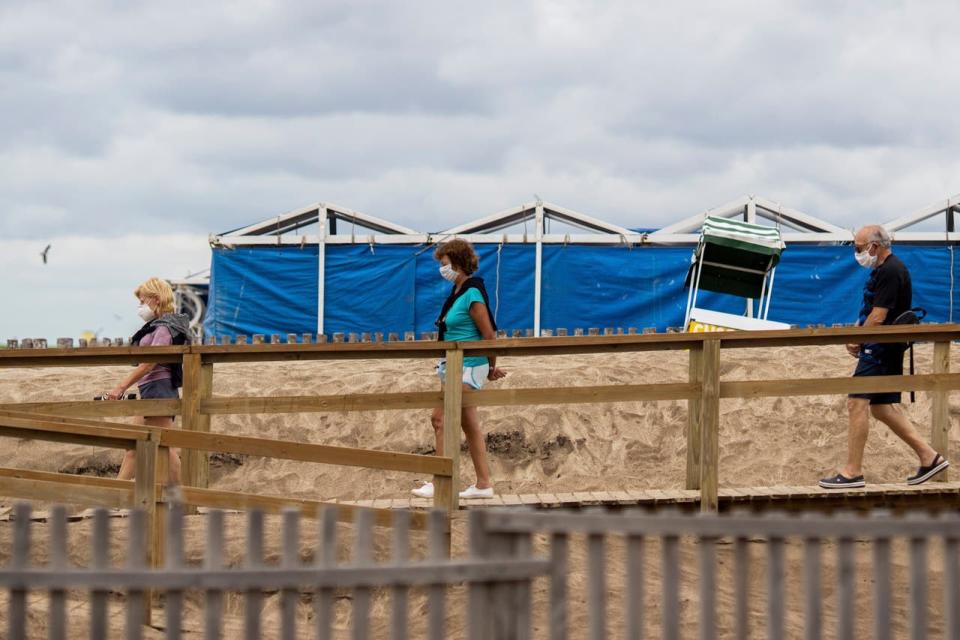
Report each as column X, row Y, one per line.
column 19, row 559
column 596, row 589
column 306, row 452
column 197, row 387
column 695, row 376
column 291, row 560
column 174, row 562
column 882, row 600
column 480, row 593
column 558, row 586
column 253, row 597
column 212, row 561
column 918, row 588
column 500, row 546
column 741, row 582
column 362, row 557
column 446, row 489
column 634, row 605
column 59, row 560
column 845, row 588
column 326, row 557
column 401, row 556
column 100, row 560
column 812, row 614
column 951, row 552
column 670, row 561
column 523, row 593
column 940, row 408
column 439, row 550
column 137, row 542
column 145, row 496
column 708, row 587
column 710, row 426
column 776, row 572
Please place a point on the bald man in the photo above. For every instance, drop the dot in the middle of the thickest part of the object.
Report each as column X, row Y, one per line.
column 887, row 294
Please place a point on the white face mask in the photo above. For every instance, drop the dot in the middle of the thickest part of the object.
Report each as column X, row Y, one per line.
column 448, row 273
column 146, row 313
column 865, row 259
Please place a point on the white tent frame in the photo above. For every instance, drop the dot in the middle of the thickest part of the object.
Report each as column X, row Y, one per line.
column 798, row 228
column 947, row 208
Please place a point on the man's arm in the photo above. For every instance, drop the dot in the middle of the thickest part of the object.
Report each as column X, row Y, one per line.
column 876, row 317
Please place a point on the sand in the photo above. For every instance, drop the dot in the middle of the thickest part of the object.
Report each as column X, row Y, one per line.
column 776, row 441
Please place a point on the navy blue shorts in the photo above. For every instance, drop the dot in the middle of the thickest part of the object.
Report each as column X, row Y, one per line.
column 162, row 389
column 885, row 365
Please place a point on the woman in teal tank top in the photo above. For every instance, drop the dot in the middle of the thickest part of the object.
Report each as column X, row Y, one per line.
column 465, row 317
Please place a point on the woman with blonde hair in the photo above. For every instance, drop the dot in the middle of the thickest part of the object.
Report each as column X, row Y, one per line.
column 465, row 316
column 162, row 327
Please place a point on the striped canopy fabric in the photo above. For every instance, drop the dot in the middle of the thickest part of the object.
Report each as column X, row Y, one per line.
column 742, row 235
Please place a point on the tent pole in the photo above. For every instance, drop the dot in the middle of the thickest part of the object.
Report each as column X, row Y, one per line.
column 322, row 215
column 773, row 272
column 538, row 275
column 694, row 289
column 764, row 292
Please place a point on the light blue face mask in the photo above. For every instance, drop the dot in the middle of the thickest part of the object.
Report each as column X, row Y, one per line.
column 448, row 273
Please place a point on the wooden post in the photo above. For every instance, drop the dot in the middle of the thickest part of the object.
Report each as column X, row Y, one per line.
column 197, row 387
column 710, row 425
column 940, row 418
column 162, row 479
column 145, row 497
column 693, row 420
column 446, row 489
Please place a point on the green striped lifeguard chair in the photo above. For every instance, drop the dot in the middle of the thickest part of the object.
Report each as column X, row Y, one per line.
column 736, row 258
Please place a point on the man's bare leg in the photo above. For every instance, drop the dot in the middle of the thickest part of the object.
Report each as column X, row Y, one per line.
column 858, row 409
column 893, row 417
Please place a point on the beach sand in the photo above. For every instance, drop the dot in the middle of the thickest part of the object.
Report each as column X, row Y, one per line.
column 634, row 445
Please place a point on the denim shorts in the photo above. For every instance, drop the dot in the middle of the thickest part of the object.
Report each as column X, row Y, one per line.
column 162, row 389
column 473, row 376
column 882, row 364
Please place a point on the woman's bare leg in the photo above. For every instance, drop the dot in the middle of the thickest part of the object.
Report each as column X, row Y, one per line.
column 128, row 466
column 436, row 419
column 470, row 423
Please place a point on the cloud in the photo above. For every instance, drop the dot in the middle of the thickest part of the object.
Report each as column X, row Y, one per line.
column 199, row 117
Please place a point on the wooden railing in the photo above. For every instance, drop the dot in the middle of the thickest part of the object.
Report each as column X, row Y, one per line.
column 631, row 559
column 703, row 389
column 503, row 533
column 321, row 580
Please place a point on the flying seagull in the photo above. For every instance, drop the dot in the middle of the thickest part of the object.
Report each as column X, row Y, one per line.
column 43, row 254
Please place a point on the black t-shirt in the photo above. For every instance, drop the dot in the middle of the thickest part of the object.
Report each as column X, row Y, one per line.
column 889, row 287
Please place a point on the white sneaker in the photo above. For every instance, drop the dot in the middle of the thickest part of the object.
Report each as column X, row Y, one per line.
column 473, row 492
column 426, row 491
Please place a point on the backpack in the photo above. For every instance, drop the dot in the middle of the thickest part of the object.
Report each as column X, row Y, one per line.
column 910, row 316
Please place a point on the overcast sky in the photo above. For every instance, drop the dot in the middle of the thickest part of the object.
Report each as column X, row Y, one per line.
column 130, row 131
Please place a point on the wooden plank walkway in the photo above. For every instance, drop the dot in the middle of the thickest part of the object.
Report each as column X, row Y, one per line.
column 930, row 494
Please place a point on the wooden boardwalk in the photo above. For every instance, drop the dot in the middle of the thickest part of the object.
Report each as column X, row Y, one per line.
column 894, row 496
column 899, row 496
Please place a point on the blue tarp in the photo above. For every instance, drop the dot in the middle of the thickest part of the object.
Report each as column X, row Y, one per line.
column 396, row 288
